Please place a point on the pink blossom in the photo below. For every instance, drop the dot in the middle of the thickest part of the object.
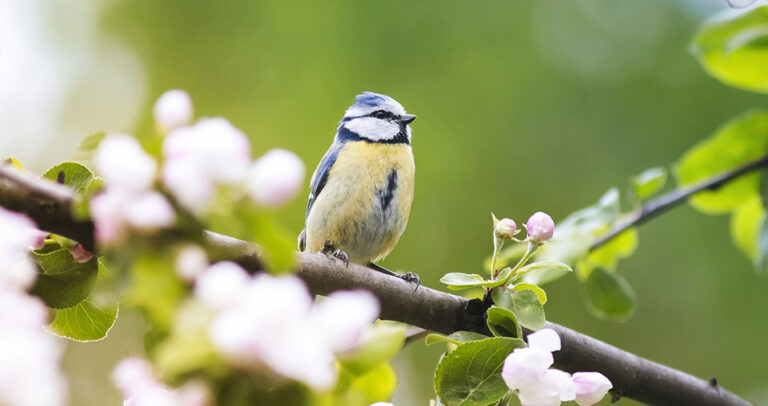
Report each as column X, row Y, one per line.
column 123, row 164
column 191, row 262
column 276, row 177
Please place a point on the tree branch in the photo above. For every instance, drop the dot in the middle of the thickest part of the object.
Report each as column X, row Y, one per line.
column 632, row 376
column 676, row 197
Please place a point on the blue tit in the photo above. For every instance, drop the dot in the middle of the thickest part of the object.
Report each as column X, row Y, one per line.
column 361, row 192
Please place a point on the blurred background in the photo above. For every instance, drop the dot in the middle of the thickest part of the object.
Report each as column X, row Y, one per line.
column 523, row 105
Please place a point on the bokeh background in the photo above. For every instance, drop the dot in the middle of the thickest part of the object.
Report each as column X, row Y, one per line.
column 523, row 105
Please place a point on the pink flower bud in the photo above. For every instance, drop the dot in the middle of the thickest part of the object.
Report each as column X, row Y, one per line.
column 590, row 387
column 506, row 228
column 540, row 227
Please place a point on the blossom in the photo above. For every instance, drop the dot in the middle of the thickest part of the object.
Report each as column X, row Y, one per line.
column 590, row 387
column 18, row 235
column 128, row 201
column 276, row 177
column 173, row 109
column 199, row 157
column 540, row 227
column 527, row 371
column 123, row 164
column 505, row 228
column 270, row 322
column 190, row 262
column 135, row 379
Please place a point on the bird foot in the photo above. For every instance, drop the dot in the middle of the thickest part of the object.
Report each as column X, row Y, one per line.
column 331, row 251
column 411, row 277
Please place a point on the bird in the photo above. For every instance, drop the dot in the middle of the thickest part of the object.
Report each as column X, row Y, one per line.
column 361, row 192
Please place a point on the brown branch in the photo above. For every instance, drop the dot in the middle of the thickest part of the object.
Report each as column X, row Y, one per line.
column 677, row 197
column 632, row 377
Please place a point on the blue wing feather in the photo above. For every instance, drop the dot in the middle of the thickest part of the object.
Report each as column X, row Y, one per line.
column 320, row 176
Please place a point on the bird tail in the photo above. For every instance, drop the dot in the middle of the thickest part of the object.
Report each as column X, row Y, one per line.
column 302, row 240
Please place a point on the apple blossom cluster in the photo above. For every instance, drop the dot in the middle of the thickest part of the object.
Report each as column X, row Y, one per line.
column 527, row 371
column 197, row 159
column 29, row 373
column 140, row 387
column 271, row 322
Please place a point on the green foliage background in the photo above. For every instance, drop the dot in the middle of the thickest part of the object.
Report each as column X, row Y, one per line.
column 523, row 106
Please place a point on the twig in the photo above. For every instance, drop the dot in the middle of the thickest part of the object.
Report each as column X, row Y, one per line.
column 676, row 197
column 632, row 377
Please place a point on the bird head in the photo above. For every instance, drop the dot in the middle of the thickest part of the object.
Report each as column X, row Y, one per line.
column 376, row 118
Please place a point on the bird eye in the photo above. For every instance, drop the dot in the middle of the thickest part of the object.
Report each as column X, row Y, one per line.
column 379, row 114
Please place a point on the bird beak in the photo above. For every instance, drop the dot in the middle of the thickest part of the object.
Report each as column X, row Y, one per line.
column 407, row 118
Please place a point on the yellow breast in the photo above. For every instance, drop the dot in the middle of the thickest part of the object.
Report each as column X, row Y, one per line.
column 354, row 211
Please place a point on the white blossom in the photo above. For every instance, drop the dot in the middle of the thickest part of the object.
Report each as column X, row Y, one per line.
column 123, row 164
column 18, row 235
column 270, row 322
column 128, row 201
column 276, row 177
column 173, row 109
column 199, row 157
column 221, row 285
column 590, row 387
column 135, row 379
column 527, row 371
column 191, row 261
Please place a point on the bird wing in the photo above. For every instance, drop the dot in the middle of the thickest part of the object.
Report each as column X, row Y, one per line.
column 319, row 178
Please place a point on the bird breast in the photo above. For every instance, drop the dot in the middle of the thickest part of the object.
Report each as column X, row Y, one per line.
column 365, row 204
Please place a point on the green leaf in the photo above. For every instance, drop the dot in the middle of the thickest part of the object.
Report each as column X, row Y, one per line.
column 741, row 140
column 542, row 267
column 76, row 175
column 376, row 385
column 503, row 322
column 528, row 309
column 735, row 49
column 609, row 295
column 542, row 295
column 575, row 234
column 62, row 281
column 91, row 142
column 379, row 343
column 84, row 322
column 524, row 304
column 745, row 228
column 458, row 280
column 471, row 374
column 456, row 338
column 649, row 182
column 621, row 246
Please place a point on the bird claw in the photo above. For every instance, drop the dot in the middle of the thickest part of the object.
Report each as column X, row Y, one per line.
column 411, row 277
column 341, row 255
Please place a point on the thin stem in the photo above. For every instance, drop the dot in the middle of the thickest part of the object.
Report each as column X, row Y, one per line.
column 529, row 250
column 676, row 197
column 498, row 243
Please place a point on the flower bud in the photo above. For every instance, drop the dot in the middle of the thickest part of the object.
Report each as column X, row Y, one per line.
column 540, row 227
column 80, row 254
column 173, row 109
column 505, row 229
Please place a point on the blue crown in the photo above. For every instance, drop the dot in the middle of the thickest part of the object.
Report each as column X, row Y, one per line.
column 370, row 99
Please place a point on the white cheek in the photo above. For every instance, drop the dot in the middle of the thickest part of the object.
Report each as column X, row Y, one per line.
column 373, row 129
